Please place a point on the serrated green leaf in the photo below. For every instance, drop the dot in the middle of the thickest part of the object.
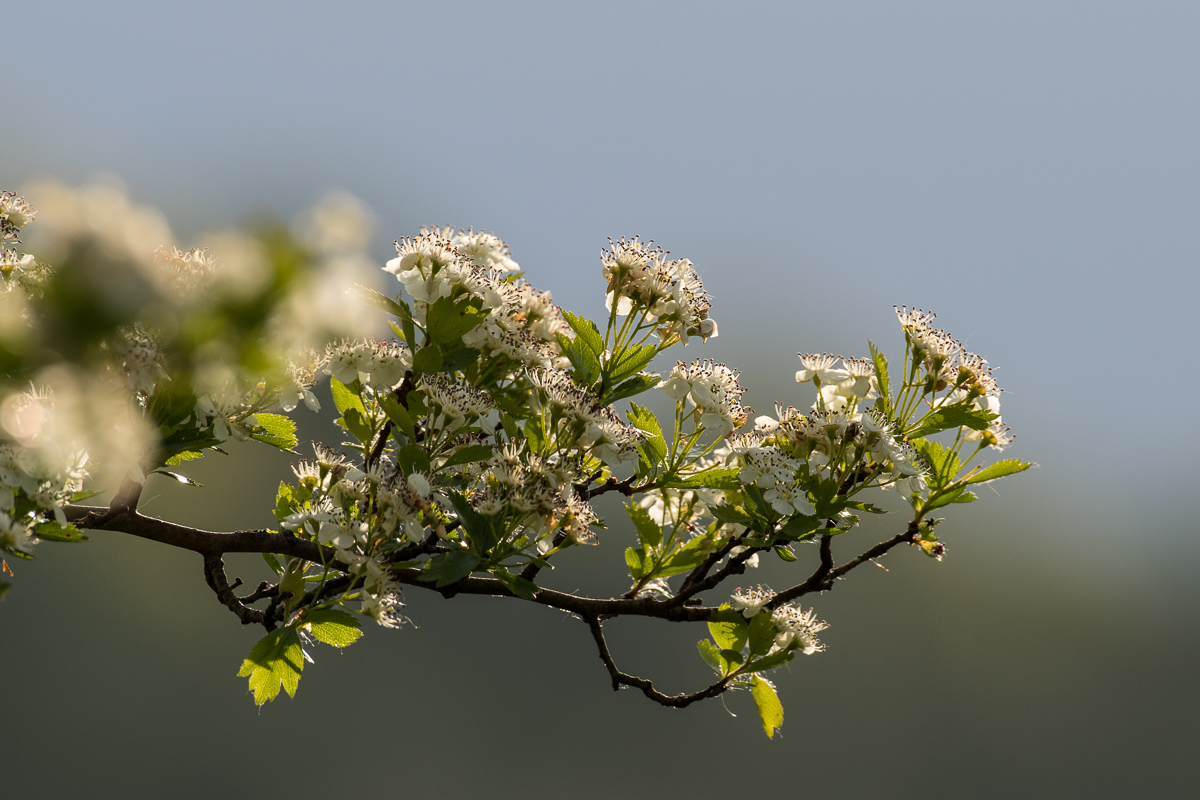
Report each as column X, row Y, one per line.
column 344, row 398
column 180, row 457
column 881, row 377
column 1008, row 466
column 772, row 661
column 276, row 661
column 447, row 568
column 945, row 499
column 785, row 554
column 643, row 419
column 468, row 454
column 515, row 583
column 942, row 461
column 762, row 634
column 770, row 710
column 334, row 627
column 799, row 526
column 280, row 431
column 586, row 331
column 721, row 478
column 631, row 388
column 381, row 301
column 648, row 530
column 587, row 366
column 730, row 515
column 958, row 415
column 635, row 560
column 710, row 654
column 460, row 358
column 629, row 361
column 686, row 558
column 728, row 628
column 428, row 359
column 53, row 532
column 447, row 320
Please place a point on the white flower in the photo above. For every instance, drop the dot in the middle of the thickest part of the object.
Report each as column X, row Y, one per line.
column 797, row 629
column 750, row 601
column 419, row 484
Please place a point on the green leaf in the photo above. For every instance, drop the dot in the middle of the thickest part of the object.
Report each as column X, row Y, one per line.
column 447, row 568
column 479, row 527
column 1009, row 466
column 273, row 563
column 277, row 430
column 515, row 583
column 276, row 661
column 180, row 457
column 344, row 398
column 799, row 526
column 428, row 359
column 398, row 414
column 472, row 452
column 460, row 359
column 53, row 532
column 635, row 559
column 648, row 530
column 711, row 655
column 953, row 496
column 731, row 515
column 958, row 415
column 942, row 460
column 762, row 633
column 721, row 478
column 869, row 508
column 586, row 331
column 631, row 388
column 382, row 301
column 587, row 366
column 332, row 626
column 729, row 628
column 184, row 479
column 686, row 558
column 447, row 320
column 785, row 554
column 772, row 661
column 357, row 424
column 630, row 360
column 643, row 419
column 770, row 710
column 881, row 376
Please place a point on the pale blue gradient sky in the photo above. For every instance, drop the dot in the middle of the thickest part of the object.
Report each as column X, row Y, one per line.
column 1028, row 170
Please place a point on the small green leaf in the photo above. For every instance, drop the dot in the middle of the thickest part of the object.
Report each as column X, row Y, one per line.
column 648, row 530
column 631, row 388
column 785, row 554
column 686, row 558
column 184, row 479
column 447, row 568
column 635, row 559
column 710, row 654
column 276, row 661
column 731, row 515
column 276, row 430
column 943, row 462
column 587, row 366
column 799, row 526
column 630, row 360
column 777, row 659
column 332, row 626
column 447, row 320
column 1009, row 466
column 428, row 359
column 460, row 358
column 722, row 478
column 586, row 331
column 468, row 454
column 357, row 424
column 729, row 628
column 959, row 415
column 53, row 532
column 382, row 301
column 180, row 457
column 344, row 398
column 398, row 414
column 273, row 563
column 770, row 710
column 762, row 634
column 515, row 583
column 881, row 376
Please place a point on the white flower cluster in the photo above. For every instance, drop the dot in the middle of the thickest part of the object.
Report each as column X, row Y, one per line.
column 605, row 434
column 368, row 360
column 949, row 365
column 15, row 214
column 457, row 401
column 797, row 629
column 639, row 275
column 539, row 494
column 715, row 392
column 839, row 387
column 141, row 360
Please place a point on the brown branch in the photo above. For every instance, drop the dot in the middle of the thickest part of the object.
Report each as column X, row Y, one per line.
column 214, row 574
column 825, row 577
column 620, row 679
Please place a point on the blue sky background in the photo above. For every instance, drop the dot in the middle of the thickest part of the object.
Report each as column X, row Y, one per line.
column 1027, row 170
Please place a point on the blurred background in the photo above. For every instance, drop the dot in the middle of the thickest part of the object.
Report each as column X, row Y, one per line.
column 1027, row 170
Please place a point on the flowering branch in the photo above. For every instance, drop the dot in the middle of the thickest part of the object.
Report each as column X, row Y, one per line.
column 478, row 437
